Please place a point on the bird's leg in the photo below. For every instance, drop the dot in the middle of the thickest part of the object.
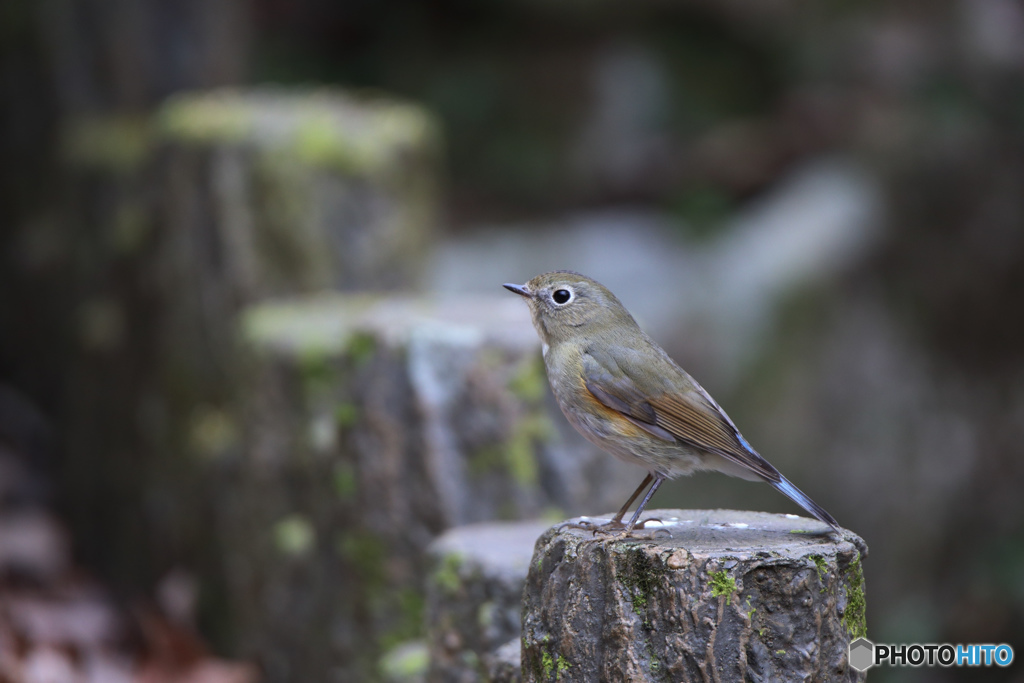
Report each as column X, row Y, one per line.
column 616, row 522
column 658, row 478
column 639, row 489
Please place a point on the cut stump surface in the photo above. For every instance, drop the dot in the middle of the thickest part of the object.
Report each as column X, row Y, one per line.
column 704, row 595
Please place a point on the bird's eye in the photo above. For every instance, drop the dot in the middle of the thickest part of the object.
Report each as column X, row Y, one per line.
column 561, row 296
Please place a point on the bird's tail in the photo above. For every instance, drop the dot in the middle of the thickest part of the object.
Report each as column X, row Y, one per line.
column 801, row 499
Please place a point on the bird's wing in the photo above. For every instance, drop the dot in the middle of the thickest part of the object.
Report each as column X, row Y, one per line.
column 668, row 403
column 678, row 409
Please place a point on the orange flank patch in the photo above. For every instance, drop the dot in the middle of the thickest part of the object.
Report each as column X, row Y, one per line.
column 623, row 425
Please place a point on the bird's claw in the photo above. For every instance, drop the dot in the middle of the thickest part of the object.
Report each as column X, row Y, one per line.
column 612, row 528
column 608, row 528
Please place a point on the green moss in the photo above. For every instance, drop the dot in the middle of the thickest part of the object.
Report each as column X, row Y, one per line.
column 520, row 450
column 360, row 348
column 207, row 117
column 484, row 459
column 822, row 567
column 529, row 384
column 409, row 605
column 552, row 514
column 562, row 667
column 750, row 610
column 344, row 481
column 366, row 554
column 288, row 244
column 530, row 381
column 517, row 455
column 855, row 615
column 554, row 666
column 368, row 146
column 412, row 605
column 722, row 584
column 294, row 535
column 319, row 141
column 346, row 414
column 316, row 370
column 447, row 574
column 406, row 662
column 548, row 664
column 641, row 574
column 369, row 138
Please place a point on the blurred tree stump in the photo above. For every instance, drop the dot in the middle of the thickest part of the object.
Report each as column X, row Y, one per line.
column 506, row 665
column 707, row 595
column 218, row 201
column 474, row 599
column 369, row 426
column 272, row 192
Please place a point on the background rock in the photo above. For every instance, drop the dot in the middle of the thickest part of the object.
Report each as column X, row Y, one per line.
column 474, row 600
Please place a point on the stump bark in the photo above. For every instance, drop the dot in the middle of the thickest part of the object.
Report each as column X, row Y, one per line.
column 708, row 595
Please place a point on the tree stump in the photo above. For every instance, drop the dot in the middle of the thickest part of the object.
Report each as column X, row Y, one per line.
column 706, row 595
column 369, row 425
column 273, row 192
column 474, row 600
column 216, row 202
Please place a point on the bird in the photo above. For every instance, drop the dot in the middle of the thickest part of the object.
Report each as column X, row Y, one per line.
column 624, row 394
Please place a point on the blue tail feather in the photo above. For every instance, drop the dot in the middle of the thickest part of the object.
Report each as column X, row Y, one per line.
column 801, row 499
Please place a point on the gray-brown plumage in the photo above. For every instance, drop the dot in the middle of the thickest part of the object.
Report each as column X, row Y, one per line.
column 622, row 392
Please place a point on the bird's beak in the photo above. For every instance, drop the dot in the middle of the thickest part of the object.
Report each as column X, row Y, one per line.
column 521, row 290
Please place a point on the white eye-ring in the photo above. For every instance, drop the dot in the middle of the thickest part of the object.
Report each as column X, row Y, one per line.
column 562, row 295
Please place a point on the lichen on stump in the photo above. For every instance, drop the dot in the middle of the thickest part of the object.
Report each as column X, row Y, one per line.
column 284, row 191
column 715, row 595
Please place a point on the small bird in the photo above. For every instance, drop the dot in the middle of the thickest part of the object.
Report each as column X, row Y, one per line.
column 623, row 393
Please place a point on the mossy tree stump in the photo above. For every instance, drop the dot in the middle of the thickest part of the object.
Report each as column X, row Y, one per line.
column 273, row 192
column 370, row 425
column 183, row 217
column 713, row 595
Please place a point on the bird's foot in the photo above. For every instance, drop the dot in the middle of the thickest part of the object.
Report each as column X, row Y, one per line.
column 613, row 528
column 641, row 525
column 608, row 528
